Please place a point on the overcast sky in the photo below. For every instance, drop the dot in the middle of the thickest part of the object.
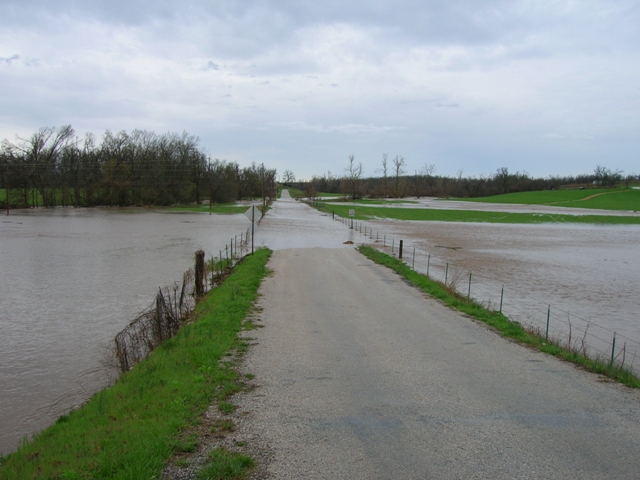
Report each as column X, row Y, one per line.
column 542, row 86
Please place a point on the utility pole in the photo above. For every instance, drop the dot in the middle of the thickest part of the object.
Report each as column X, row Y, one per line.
column 263, row 202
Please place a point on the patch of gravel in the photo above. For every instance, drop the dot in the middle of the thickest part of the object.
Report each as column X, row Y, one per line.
column 214, row 429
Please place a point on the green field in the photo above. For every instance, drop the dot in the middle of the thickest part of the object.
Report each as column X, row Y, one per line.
column 427, row 214
column 130, row 430
column 370, row 201
column 225, row 208
column 607, row 199
column 295, row 192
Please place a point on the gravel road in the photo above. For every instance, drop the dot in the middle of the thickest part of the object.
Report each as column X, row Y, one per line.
column 360, row 376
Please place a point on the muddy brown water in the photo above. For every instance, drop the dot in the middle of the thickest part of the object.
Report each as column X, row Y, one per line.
column 71, row 279
column 586, row 276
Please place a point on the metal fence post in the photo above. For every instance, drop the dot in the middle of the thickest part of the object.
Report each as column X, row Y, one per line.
column 546, row 335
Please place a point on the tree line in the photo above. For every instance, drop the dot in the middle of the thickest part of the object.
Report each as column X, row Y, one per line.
column 55, row 167
column 395, row 182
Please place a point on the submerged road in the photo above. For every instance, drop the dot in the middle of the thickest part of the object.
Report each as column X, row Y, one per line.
column 360, row 376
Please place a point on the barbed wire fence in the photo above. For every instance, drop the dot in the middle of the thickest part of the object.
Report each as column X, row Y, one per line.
column 174, row 304
column 556, row 324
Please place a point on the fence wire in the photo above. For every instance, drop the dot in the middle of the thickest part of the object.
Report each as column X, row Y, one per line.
column 174, row 304
column 579, row 334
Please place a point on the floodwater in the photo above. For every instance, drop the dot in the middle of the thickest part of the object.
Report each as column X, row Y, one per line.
column 71, row 279
column 583, row 277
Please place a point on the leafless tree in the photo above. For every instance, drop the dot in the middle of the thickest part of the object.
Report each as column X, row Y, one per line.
column 428, row 171
column 398, row 166
column 288, row 177
column 385, row 172
column 354, row 175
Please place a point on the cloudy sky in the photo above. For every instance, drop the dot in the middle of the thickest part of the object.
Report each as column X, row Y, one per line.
column 550, row 87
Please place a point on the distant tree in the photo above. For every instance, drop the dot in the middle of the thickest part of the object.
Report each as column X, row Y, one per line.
column 398, row 166
column 428, row 171
column 385, row 169
column 502, row 179
column 354, row 175
column 288, row 177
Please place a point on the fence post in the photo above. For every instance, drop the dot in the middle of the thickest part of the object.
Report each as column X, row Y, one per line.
column 501, row 298
column 400, row 250
column 469, row 292
column 446, row 274
column 393, row 245
column 428, row 263
column 546, row 335
column 613, row 349
column 199, row 269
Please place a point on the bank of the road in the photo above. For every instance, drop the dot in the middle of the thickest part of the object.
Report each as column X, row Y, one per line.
column 130, row 430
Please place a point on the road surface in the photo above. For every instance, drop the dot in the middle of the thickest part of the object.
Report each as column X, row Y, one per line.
column 360, row 376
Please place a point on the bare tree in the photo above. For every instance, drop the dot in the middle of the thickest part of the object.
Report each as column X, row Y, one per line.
column 385, row 170
column 398, row 166
column 428, row 172
column 288, row 177
column 502, row 177
column 354, row 175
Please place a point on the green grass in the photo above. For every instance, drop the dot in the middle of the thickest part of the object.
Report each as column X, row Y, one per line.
column 507, row 328
column 224, row 465
column 295, row 192
column 130, row 430
column 371, row 201
column 427, row 214
column 225, row 208
column 607, row 199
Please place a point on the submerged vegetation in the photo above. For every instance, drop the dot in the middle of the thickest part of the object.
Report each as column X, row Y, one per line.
column 130, row 430
column 508, row 328
column 55, row 167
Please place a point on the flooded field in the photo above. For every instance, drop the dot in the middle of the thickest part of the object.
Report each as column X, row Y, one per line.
column 584, row 277
column 71, row 279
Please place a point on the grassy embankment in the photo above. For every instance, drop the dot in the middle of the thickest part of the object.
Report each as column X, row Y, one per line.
column 130, row 430
column 606, row 199
column 297, row 193
column 373, row 201
column 225, row 208
column 428, row 214
column 501, row 323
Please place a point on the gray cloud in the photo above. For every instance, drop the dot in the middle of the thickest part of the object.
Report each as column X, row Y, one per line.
column 466, row 84
column 9, row 60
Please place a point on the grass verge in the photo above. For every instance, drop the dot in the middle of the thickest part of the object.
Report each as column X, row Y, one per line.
column 225, row 208
column 427, row 214
column 507, row 328
column 130, row 430
column 372, row 201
